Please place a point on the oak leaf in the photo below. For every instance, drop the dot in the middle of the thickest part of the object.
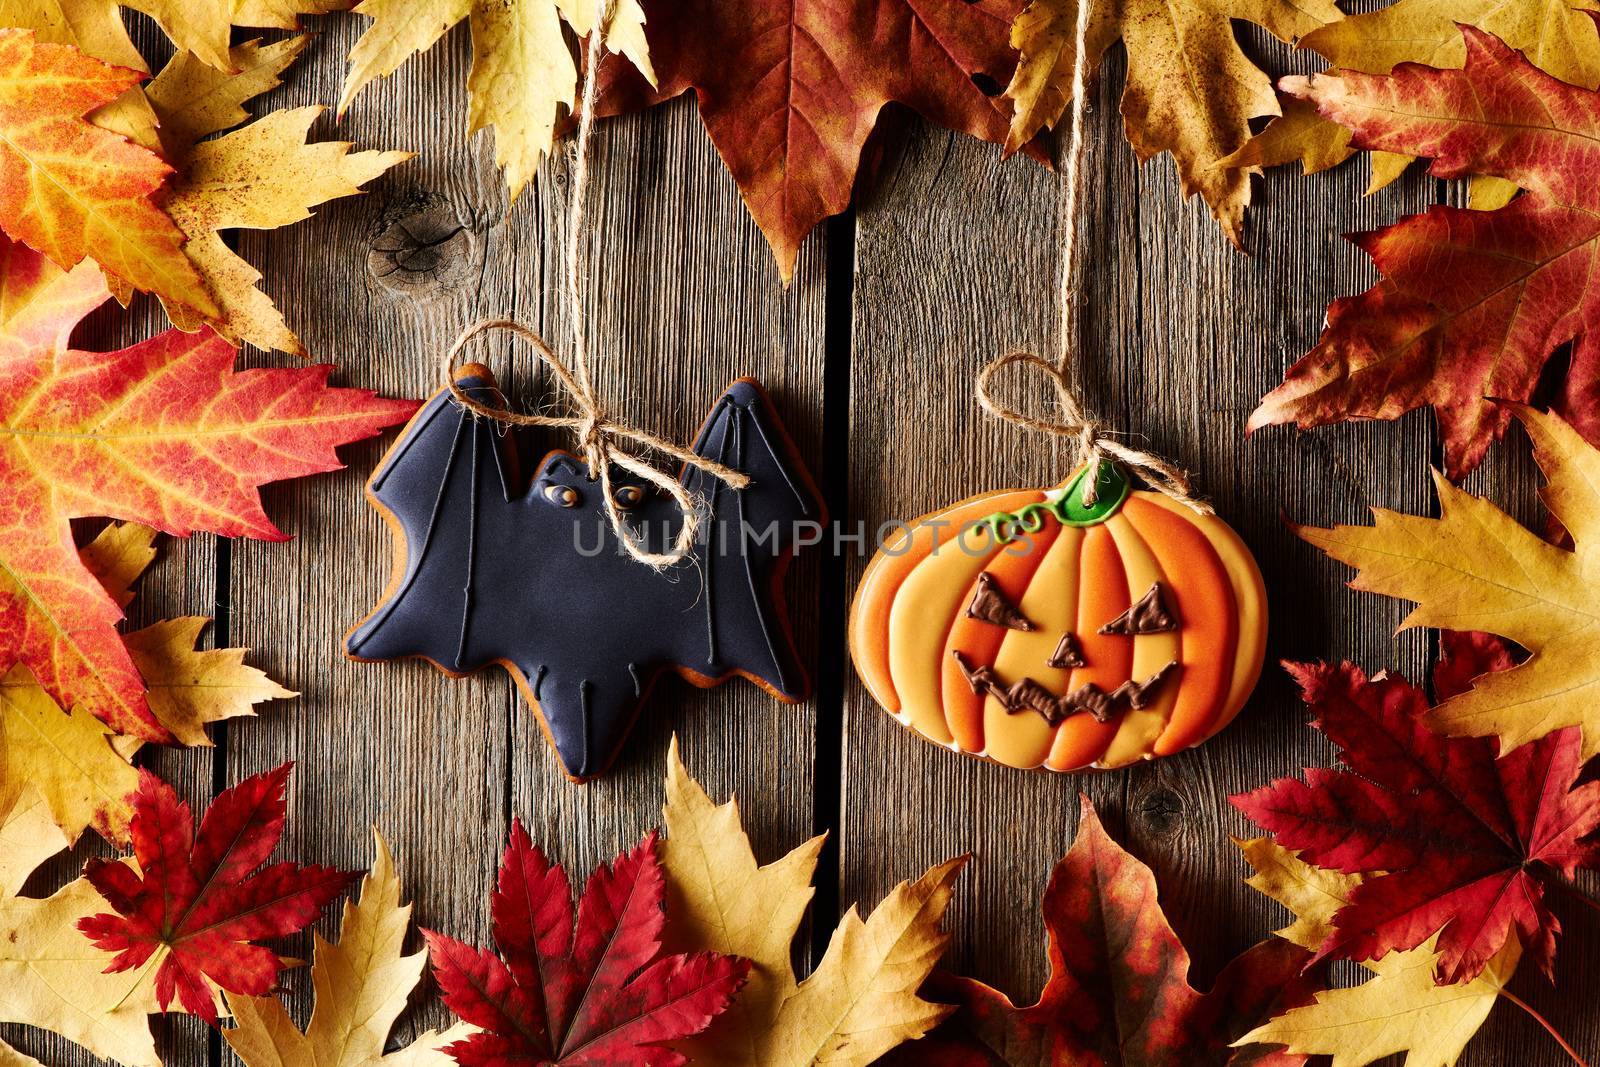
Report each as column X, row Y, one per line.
column 598, row 994
column 790, row 92
column 165, row 433
column 361, row 986
column 74, row 191
column 1555, row 35
column 1119, row 990
column 862, row 998
column 1191, row 91
column 1456, row 844
column 49, row 977
column 199, row 898
column 1475, row 568
column 523, row 78
column 1399, row 1009
column 1471, row 303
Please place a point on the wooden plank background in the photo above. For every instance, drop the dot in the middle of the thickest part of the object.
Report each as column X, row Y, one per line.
column 949, row 258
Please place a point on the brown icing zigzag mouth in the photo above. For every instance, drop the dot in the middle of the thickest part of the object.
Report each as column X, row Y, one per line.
column 1026, row 694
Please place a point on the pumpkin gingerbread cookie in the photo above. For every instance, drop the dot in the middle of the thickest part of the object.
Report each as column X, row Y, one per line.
column 1036, row 631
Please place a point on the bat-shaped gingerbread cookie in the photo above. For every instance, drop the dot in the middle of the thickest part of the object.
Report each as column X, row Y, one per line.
column 494, row 567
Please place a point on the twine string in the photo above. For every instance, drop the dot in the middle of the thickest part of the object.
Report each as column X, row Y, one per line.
column 600, row 437
column 1090, row 442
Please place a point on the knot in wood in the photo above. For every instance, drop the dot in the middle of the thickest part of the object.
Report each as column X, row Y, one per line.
column 1161, row 811
column 422, row 247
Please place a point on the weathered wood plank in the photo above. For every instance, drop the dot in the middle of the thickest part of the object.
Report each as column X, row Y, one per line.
column 684, row 299
column 1182, row 335
column 955, row 261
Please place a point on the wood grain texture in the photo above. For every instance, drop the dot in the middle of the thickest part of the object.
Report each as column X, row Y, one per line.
column 951, row 259
column 1181, row 336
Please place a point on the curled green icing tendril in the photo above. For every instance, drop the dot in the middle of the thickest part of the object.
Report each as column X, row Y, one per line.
column 1065, row 505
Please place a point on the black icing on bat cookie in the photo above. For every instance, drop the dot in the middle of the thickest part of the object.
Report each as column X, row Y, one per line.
column 493, row 568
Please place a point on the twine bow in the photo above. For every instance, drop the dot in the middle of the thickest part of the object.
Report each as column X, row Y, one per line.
column 600, row 437
column 600, row 440
column 1091, row 444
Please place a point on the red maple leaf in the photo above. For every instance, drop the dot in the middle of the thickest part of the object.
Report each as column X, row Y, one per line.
column 790, row 91
column 165, row 433
column 204, row 896
column 595, row 995
column 1471, row 303
column 1463, row 656
column 1455, row 840
column 1118, row 993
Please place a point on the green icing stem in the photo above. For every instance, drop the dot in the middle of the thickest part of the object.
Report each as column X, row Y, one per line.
column 1065, row 505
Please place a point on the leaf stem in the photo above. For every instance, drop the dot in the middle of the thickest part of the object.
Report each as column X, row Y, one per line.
column 1542, row 1021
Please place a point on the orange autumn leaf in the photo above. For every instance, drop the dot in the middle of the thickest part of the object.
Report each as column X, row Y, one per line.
column 165, row 433
column 74, row 191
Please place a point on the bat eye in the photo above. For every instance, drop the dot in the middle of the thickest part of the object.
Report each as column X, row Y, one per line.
column 628, row 496
column 562, row 495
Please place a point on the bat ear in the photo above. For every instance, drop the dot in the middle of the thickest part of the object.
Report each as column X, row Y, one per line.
column 478, row 382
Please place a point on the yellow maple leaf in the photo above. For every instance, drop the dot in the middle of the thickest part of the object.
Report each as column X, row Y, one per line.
column 1476, row 568
column 523, row 72
column 194, row 100
column 202, row 27
column 861, row 1000
column 1190, row 90
column 1301, row 135
column 52, row 977
column 10, row 1057
column 1399, row 1009
column 118, row 555
column 188, row 687
column 361, row 986
column 1555, row 35
column 67, row 758
column 28, row 837
column 261, row 176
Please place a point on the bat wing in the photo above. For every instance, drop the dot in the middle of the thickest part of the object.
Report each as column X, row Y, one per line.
column 490, row 571
column 747, row 543
column 430, row 489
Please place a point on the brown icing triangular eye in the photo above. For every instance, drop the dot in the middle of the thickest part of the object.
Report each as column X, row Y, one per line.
column 1150, row 615
column 989, row 604
column 1067, row 654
